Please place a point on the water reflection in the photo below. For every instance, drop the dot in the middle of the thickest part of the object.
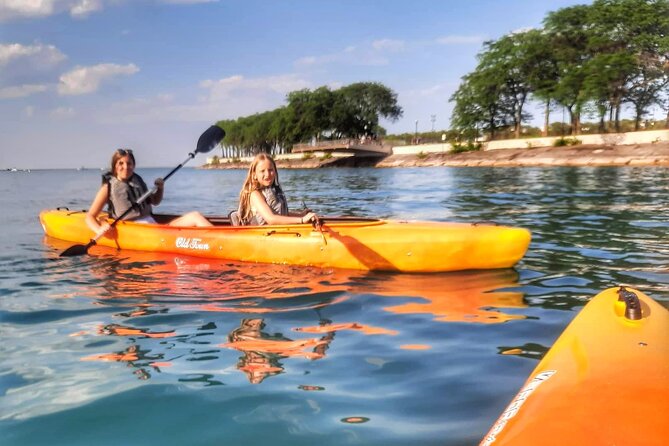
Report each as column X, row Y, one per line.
column 134, row 357
column 170, row 313
column 471, row 296
column 262, row 350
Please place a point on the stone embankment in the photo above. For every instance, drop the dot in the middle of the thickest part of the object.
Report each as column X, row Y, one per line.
column 650, row 154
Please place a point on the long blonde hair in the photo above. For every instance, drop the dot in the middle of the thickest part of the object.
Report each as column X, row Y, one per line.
column 251, row 184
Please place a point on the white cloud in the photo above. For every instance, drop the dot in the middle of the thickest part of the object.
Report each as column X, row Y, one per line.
column 460, row 40
column 38, row 53
column 388, row 45
column 83, row 80
column 26, row 8
column 35, row 9
column 28, row 111
column 224, row 88
column 14, row 9
column 84, row 7
column 227, row 98
column 372, row 53
column 22, row 67
column 20, row 91
column 377, row 52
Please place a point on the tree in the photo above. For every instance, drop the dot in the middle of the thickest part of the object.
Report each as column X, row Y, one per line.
column 514, row 61
column 543, row 71
column 568, row 30
column 309, row 113
column 359, row 106
column 477, row 106
column 321, row 113
column 640, row 29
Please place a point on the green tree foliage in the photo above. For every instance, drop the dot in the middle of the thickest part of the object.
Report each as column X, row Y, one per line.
column 350, row 111
column 358, row 108
column 597, row 57
column 511, row 62
column 567, row 29
column 477, row 106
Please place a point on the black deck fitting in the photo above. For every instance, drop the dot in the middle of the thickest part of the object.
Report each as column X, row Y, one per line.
column 632, row 304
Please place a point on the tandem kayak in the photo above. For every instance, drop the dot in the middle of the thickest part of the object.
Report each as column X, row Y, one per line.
column 341, row 242
column 604, row 382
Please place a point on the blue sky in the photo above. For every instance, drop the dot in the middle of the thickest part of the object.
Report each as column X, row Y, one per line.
column 79, row 78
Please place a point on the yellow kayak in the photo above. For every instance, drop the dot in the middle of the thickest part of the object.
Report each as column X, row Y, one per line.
column 605, row 381
column 341, row 242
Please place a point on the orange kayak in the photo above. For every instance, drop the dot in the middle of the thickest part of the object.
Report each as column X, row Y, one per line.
column 350, row 243
column 605, row 381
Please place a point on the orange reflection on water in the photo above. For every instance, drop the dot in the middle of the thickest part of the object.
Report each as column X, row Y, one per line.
column 462, row 297
column 250, row 337
column 128, row 355
column 160, row 364
column 263, row 351
column 415, row 347
column 366, row 329
column 153, row 283
column 120, row 330
column 285, row 348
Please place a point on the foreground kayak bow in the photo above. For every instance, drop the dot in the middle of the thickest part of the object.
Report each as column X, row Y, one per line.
column 605, row 381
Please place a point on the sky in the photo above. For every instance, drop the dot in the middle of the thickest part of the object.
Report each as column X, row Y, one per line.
column 80, row 78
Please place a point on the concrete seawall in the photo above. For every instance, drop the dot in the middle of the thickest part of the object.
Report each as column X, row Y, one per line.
column 607, row 139
column 648, row 148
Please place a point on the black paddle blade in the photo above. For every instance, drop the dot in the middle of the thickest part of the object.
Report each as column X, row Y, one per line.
column 208, row 140
column 75, row 250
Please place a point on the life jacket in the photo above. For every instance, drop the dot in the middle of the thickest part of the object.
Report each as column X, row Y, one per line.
column 275, row 199
column 124, row 194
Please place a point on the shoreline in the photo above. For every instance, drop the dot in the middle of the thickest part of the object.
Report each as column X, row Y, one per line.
column 649, row 154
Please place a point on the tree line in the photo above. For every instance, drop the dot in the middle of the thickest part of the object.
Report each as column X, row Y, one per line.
column 348, row 112
column 590, row 59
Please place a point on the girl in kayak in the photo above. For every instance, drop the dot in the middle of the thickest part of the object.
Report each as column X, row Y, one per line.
column 121, row 187
column 261, row 200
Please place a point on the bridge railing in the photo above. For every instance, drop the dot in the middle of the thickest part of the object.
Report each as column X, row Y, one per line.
column 345, row 143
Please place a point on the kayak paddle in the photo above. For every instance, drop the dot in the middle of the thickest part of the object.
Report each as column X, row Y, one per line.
column 207, row 141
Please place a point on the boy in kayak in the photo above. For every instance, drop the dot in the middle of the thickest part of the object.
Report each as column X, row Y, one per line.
column 261, row 200
column 121, row 187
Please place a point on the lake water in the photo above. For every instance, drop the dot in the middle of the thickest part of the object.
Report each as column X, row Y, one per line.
column 135, row 348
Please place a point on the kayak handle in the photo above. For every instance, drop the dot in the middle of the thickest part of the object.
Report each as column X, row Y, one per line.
column 632, row 304
column 273, row 232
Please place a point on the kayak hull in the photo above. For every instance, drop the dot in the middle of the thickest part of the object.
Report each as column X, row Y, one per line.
column 363, row 244
column 605, row 381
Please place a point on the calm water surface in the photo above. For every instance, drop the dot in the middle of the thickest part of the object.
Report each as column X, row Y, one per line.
column 137, row 348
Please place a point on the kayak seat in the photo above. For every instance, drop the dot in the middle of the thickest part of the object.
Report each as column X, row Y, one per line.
column 234, row 218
